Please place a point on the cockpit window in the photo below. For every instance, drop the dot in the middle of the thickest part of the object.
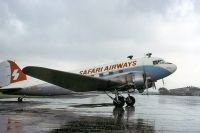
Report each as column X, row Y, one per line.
column 155, row 62
column 158, row 62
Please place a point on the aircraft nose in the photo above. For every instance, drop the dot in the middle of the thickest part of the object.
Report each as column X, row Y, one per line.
column 173, row 68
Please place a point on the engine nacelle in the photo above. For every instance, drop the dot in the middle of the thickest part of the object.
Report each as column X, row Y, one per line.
column 135, row 81
column 138, row 80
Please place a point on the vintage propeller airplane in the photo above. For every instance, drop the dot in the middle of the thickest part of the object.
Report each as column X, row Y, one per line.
column 130, row 74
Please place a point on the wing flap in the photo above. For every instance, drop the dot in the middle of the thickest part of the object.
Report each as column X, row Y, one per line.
column 72, row 81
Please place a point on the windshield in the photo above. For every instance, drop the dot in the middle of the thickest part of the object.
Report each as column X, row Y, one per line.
column 158, row 62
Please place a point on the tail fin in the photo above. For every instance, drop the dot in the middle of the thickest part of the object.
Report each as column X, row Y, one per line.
column 10, row 73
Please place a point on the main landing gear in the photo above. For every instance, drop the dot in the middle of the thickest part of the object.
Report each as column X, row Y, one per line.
column 130, row 101
column 20, row 99
column 119, row 100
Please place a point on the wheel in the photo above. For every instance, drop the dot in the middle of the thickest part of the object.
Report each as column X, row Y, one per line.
column 130, row 101
column 120, row 102
column 20, row 99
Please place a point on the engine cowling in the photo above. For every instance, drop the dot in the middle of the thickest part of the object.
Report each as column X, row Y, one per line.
column 133, row 81
column 138, row 80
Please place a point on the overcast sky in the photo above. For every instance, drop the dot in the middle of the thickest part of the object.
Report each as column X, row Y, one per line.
column 71, row 34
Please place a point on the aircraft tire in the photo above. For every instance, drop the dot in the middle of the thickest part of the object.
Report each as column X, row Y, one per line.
column 20, row 99
column 130, row 101
column 120, row 102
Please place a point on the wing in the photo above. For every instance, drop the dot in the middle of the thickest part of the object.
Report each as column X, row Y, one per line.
column 72, row 81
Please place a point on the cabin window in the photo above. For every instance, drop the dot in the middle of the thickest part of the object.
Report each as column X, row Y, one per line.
column 110, row 73
column 101, row 75
column 120, row 71
column 158, row 62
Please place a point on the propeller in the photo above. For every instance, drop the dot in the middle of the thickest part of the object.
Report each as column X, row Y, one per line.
column 145, row 79
column 154, row 85
column 163, row 82
column 146, row 85
column 144, row 72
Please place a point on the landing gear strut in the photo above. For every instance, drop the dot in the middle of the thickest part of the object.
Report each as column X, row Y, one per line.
column 119, row 100
column 20, row 99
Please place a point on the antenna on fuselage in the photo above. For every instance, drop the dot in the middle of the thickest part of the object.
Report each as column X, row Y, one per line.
column 149, row 55
column 130, row 57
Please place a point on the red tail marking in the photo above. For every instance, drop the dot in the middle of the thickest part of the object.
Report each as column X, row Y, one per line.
column 16, row 73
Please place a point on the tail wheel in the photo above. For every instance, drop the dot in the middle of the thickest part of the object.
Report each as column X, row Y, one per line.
column 130, row 101
column 20, row 99
column 119, row 102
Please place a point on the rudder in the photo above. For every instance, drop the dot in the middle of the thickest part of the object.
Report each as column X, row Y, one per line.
column 10, row 73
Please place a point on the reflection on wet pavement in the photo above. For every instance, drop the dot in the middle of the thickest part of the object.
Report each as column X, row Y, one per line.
column 92, row 105
column 95, row 113
column 117, row 123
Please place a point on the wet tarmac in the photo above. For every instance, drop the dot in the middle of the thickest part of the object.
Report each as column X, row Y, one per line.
column 92, row 112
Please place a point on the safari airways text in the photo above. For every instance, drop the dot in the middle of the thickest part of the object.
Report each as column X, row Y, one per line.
column 108, row 67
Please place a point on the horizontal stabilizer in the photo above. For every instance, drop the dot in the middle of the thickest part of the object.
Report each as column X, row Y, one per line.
column 5, row 90
column 71, row 81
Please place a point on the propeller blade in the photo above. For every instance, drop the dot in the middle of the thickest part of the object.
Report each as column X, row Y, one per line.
column 147, row 91
column 146, row 84
column 154, row 85
column 145, row 77
column 163, row 81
